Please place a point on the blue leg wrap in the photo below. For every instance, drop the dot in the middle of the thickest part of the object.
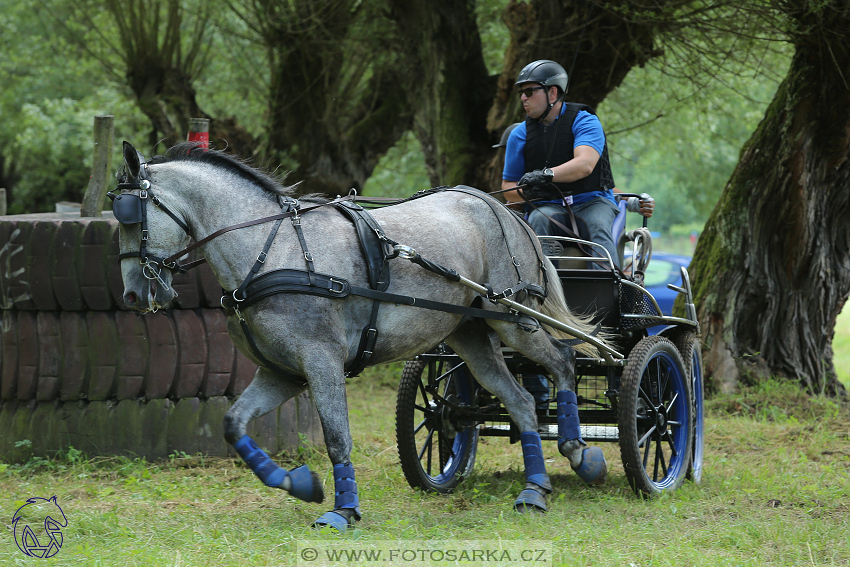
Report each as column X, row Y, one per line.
column 345, row 488
column 306, row 485
column 262, row 465
column 568, row 423
column 532, row 454
column 593, row 468
column 345, row 498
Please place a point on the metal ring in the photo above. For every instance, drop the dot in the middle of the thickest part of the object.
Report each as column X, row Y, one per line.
column 341, row 286
column 405, row 252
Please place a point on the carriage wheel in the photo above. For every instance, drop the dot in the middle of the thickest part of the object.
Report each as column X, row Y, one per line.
column 655, row 417
column 436, row 449
column 689, row 347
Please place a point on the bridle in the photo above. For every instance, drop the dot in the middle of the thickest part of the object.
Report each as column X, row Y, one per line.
column 130, row 209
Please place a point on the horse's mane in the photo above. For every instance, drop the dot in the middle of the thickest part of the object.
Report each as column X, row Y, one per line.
column 192, row 152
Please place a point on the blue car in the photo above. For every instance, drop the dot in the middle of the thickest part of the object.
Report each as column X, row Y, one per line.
column 664, row 269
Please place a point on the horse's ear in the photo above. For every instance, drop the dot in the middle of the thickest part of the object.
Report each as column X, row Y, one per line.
column 131, row 160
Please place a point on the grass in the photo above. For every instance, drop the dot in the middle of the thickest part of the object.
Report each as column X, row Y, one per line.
column 841, row 345
column 776, row 491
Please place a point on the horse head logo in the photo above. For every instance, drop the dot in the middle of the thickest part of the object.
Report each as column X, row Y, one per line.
column 28, row 522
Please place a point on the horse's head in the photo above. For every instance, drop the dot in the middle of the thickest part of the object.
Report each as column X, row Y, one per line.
column 151, row 230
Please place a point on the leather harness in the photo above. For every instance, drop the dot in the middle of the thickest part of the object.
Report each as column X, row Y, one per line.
column 377, row 250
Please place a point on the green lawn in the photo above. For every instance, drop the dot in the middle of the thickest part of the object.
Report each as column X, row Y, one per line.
column 841, row 345
column 776, row 492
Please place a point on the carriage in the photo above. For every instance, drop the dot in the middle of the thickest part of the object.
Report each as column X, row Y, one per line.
column 320, row 302
column 650, row 401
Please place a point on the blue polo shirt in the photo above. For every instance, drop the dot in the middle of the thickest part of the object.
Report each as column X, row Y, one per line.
column 587, row 131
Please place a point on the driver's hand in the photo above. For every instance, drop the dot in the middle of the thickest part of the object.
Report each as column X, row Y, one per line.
column 644, row 205
column 534, row 178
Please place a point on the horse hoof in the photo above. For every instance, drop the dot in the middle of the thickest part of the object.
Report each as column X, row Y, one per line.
column 335, row 520
column 306, row 485
column 529, row 500
column 593, row 468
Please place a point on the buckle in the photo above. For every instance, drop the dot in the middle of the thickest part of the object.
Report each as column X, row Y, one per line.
column 339, row 283
column 262, row 258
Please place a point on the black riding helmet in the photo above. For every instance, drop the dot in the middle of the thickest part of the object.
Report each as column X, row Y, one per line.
column 506, row 134
column 547, row 73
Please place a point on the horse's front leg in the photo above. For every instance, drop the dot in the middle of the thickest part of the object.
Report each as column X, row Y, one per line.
column 327, row 382
column 265, row 393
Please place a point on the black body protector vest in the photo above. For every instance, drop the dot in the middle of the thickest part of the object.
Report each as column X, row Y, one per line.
column 548, row 146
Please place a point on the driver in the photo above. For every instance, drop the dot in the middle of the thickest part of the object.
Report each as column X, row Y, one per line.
column 560, row 156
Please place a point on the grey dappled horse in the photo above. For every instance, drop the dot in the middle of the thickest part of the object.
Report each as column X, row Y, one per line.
column 305, row 340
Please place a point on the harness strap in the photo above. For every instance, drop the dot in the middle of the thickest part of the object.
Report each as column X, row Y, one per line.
column 308, row 258
column 297, row 281
column 176, row 256
column 494, row 205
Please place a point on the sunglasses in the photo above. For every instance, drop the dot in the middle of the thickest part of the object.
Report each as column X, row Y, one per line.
column 529, row 91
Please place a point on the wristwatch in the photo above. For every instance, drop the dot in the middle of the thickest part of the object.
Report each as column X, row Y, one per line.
column 548, row 172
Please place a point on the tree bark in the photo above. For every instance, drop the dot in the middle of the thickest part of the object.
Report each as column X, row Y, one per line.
column 772, row 267
column 336, row 94
column 451, row 88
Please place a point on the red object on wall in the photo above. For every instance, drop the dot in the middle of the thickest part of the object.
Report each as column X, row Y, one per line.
column 199, row 132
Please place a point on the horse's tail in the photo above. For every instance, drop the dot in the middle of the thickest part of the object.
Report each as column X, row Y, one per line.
column 555, row 306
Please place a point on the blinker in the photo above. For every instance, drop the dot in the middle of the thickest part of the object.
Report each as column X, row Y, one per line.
column 127, row 208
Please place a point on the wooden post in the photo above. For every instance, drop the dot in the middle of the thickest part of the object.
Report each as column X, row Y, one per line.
column 96, row 191
column 2, row 202
column 199, row 132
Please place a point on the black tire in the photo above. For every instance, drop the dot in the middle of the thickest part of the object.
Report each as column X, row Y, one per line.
column 655, row 417
column 691, row 351
column 436, row 450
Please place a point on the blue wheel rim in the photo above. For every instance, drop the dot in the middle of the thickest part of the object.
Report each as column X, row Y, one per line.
column 699, row 417
column 462, row 439
column 664, row 440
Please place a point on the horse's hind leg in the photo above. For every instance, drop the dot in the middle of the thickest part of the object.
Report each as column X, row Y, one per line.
column 479, row 347
column 265, row 393
column 559, row 361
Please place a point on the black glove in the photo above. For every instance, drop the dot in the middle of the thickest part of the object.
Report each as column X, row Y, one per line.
column 537, row 177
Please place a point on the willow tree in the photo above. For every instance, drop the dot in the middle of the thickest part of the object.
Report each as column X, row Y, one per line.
column 772, row 268
column 335, row 92
column 158, row 49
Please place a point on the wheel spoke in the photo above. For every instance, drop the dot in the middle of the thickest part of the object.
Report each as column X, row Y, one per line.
column 419, row 427
column 673, row 400
column 662, row 389
column 645, row 396
column 644, row 438
column 661, row 458
column 673, row 451
column 657, row 456
column 427, row 445
column 646, row 454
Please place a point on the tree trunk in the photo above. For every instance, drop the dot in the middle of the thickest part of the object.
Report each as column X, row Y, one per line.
column 336, row 95
column 772, row 267
column 451, row 88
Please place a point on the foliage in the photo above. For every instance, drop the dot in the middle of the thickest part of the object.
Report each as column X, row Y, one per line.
column 679, row 141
